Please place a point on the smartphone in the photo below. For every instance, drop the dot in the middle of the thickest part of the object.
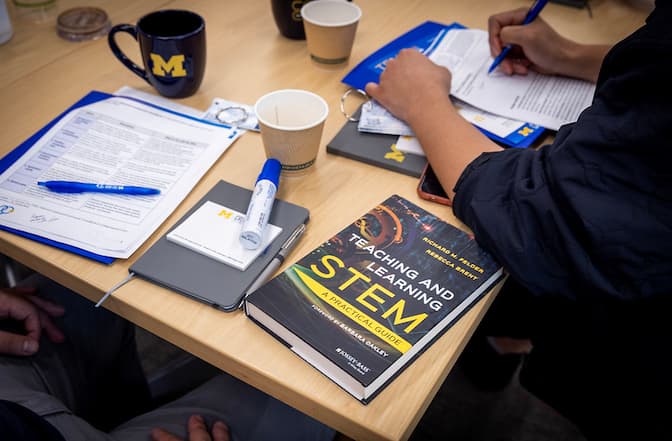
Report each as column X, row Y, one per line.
column 430, row 188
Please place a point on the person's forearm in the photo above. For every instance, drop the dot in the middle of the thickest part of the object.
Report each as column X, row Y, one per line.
column 584, row 61
column 449, row 141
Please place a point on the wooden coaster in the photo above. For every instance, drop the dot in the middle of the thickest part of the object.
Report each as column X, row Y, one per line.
column 83, row 23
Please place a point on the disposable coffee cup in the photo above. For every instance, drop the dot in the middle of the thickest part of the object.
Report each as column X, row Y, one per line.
column 291, row 123
column 330, row 27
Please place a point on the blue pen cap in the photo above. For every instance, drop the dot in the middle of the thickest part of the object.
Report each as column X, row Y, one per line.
column 271, row 171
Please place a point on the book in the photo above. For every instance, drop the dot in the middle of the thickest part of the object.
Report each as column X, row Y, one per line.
column 365, row 303
column 425, row 38
column 214, row 231
column 208, row 280
column 376, row 149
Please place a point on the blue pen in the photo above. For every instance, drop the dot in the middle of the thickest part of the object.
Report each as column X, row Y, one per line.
column 81, row 187
column 533, row 13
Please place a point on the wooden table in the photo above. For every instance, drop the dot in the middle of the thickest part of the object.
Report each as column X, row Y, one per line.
column 43, row 74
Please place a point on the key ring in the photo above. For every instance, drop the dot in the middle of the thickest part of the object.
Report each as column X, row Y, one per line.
column 347, row 93
column 232, row 115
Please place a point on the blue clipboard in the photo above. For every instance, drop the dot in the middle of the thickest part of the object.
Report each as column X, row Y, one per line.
column 421, row 37
column 14, row 155
column 9, row 159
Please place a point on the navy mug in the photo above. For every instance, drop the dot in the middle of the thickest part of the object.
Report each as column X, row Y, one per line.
column 287, row 15
column 172, row 46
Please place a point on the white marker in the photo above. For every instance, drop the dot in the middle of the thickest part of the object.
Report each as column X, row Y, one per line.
column 261, row 204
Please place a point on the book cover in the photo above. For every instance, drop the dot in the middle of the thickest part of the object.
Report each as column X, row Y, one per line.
column 374, row 149
column 366, row 302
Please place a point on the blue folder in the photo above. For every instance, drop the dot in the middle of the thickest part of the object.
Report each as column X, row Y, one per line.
column 19, row 151
column 14, row 155
column 421, row 37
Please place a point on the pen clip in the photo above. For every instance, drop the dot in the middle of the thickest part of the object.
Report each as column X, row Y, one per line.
column 290, row 240
column 278, row 260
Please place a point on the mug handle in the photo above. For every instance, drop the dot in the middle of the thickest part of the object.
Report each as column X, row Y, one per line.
column 129, row 29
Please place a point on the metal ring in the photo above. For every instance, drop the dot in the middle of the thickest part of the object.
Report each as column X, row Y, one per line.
column 232, row 110
column 345, row 96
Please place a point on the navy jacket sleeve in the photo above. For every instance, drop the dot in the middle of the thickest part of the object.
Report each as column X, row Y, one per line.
column 592, row 212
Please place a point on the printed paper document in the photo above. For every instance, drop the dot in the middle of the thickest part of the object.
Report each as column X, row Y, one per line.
column 546, row 100
column 116, row 141
column 375, row 118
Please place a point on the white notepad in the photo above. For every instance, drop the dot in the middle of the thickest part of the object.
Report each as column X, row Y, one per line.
column 214, row 231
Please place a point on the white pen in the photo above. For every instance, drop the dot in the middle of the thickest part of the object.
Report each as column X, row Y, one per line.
column 261, row 204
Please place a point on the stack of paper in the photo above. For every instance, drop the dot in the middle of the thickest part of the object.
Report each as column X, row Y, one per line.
column 512, row 110
column 214, row 231
column 107, row 139
column 376, row 119
column 546, row 100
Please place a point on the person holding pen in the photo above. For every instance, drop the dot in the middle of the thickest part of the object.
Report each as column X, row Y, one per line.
column 582, row 224
column 536, row 46
column 530, row 16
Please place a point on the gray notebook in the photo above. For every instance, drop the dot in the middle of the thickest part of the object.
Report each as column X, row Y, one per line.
column 375, row 149
column 195, row 275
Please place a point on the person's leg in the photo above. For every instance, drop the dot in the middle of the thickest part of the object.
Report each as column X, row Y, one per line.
column 496, row 349
column 15, row 386
column 95, row 374
column 510, row 312
column 96, row 371
column 250, row 414
column 24, row 383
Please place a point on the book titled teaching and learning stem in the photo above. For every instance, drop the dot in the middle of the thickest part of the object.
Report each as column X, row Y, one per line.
column 361, row 306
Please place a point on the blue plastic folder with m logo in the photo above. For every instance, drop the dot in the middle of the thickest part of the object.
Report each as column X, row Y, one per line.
column 19, row 151
column 33, row 166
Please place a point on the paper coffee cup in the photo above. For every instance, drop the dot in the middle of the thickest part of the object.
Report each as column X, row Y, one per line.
column 330, row 27
column 291, row 123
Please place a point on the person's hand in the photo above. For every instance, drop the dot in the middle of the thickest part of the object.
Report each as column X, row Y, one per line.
column 536, row 45
column 411, row 85
column 197, row 431
column 22, row 305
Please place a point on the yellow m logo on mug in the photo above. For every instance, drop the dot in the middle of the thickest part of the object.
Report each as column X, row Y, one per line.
column 173, row 67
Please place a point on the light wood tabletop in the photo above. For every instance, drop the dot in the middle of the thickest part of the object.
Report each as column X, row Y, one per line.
column 43, row 74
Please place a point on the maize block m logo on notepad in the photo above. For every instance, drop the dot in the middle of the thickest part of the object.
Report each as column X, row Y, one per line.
column 174, row 67
column 228, row 215
column 394, row 154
